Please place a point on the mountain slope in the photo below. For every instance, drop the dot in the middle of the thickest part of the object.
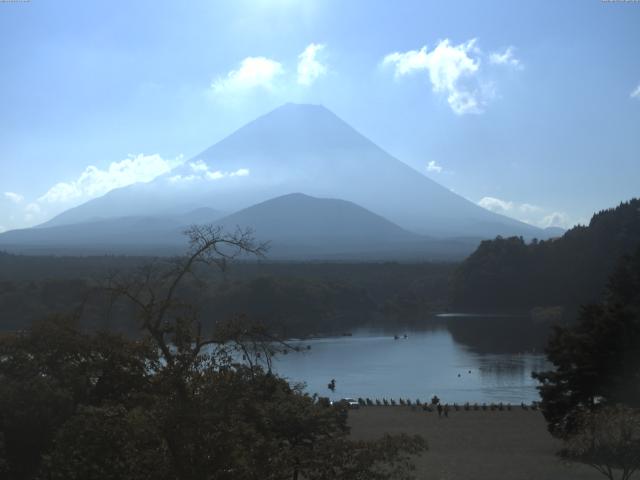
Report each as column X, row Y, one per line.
column 297, row 217
column 568, row 271
column 304, row 148
column 300, row 226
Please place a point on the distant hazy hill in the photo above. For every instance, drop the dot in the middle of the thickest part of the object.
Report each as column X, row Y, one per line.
column 131, row 234
column 308, row 149
column 297, row 227
column 298, row 218
column 507, row 273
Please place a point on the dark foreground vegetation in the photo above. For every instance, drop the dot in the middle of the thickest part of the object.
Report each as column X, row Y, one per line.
column 591, row 399
column 183, row 402
column 596, row 360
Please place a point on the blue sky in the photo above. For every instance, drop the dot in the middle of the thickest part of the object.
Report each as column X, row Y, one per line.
column 531, row 109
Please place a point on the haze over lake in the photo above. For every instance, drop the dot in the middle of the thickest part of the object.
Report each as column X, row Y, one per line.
column 371, row 363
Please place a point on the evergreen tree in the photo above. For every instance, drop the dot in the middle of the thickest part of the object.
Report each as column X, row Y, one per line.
column 597, row 360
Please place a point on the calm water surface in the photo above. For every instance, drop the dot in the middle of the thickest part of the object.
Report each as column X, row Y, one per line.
column 371, row 363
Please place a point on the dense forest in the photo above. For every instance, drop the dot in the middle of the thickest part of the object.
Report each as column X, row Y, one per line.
column 292, row 299
column 508, row 274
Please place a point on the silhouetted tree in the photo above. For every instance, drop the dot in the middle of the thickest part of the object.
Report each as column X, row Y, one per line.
column 52, row 371
column 597, row 361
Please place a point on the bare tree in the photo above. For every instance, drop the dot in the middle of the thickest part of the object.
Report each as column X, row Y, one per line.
column 174, row 324
column 608, row 440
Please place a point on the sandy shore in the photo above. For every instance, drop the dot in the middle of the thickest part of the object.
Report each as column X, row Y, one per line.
column 474, row 445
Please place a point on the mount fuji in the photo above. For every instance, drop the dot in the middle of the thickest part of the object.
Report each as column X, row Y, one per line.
column 293, row 149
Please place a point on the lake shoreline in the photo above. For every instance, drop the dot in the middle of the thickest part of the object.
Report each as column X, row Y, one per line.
column 416, row 365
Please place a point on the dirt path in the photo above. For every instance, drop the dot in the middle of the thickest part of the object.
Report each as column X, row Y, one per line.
column 474, row 445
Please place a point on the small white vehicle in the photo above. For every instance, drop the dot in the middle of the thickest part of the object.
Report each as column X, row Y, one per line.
column 351, row 402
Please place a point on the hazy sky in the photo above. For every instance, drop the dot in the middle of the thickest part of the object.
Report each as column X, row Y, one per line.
column 531, row 109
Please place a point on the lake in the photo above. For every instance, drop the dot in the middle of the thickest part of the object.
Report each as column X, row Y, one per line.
column 371, row 363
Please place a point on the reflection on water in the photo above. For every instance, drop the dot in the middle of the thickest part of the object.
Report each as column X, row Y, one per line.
column 373, row 364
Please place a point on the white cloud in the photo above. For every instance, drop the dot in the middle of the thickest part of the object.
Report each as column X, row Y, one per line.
column 407, row 62
column 217, row 175
column 496, row 205
column 454, row 71
column 198, row 166
column 183, row 178
column 527, row 213
column 450, row 68
column 14, row 197
column 33, row 208
column 32, row 211
column 254, row 72
column 433, row 166
column 94, row 181
column 241, row 172
column 309, row 68
column 201, row 172
column 636, row 93
column 505, row 58
column 556, row 219
column 2, row 229
column 528, row 208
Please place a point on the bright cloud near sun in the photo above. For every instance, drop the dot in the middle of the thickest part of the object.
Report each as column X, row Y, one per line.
column 309, row 67
column 526, row 212
column 253, row 72
column 94, row 181
column 636, row 93
column 268, row 74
